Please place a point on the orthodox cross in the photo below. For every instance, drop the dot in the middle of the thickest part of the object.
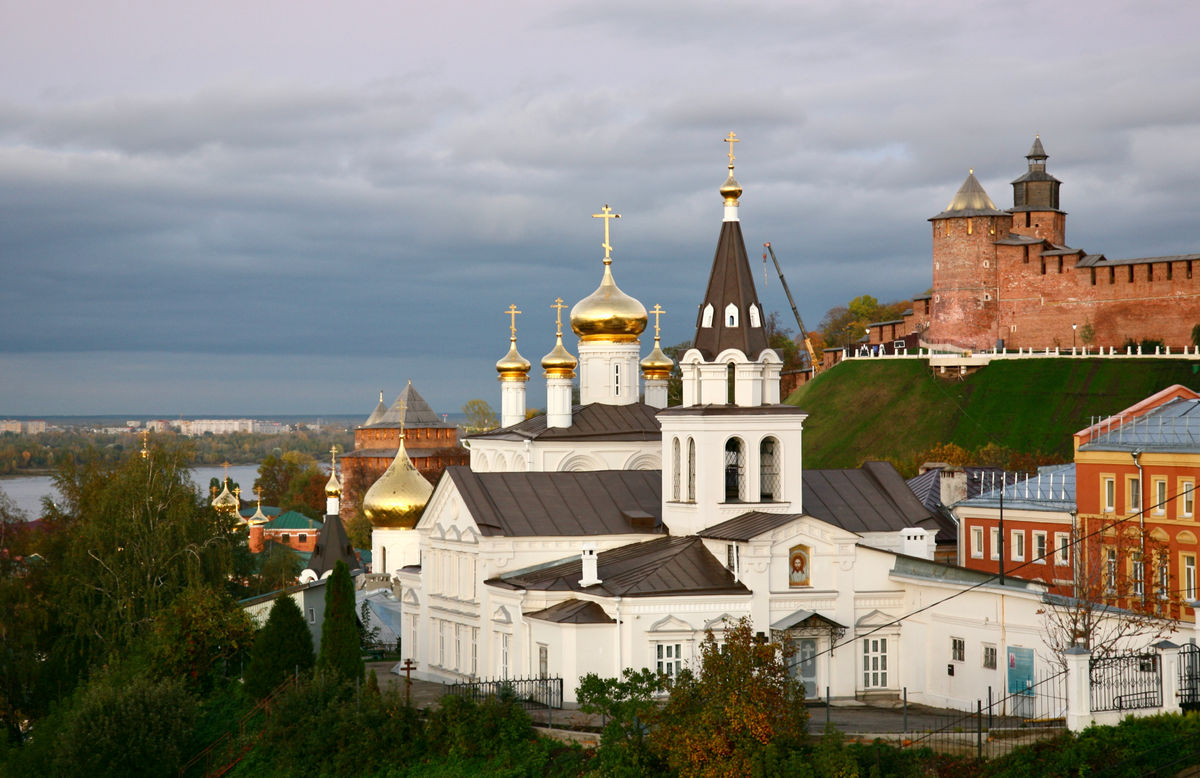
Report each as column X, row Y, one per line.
column 408, row 667
column 731, row 139
column 512, row 327
column 404, row 406
column 657, row 310
column 558, row 303
column 145, row 443
column 333, row 459
column 258, row 492
column 606, row 214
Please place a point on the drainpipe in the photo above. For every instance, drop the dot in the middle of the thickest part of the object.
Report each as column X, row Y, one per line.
column 1141, row 507
column 617, row 603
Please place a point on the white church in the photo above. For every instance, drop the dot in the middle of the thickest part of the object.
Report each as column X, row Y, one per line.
column 613, row 533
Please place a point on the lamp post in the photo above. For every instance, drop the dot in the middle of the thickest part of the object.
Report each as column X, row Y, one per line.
column 1074, row 327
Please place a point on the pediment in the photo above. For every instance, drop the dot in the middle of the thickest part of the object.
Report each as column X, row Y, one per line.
column 671, row 624
column 501, row 615
column 722, row 622
column 410, row 598
column 876, row 618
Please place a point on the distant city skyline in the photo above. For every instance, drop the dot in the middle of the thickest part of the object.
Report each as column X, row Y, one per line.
column 283, row 209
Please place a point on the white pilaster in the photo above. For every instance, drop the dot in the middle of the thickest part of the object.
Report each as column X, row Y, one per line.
column 512, row 401
column 558, row 401
column 656, row 392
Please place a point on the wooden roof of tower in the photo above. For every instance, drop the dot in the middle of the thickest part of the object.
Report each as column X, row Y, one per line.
column 730, row 281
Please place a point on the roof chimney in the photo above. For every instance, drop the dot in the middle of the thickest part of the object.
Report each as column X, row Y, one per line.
column 589, row 558
column 914, row 541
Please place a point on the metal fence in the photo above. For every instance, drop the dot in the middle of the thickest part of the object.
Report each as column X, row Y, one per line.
column 1125, row 682
column 1189, row 676
column 530, row 693
column 996, row 726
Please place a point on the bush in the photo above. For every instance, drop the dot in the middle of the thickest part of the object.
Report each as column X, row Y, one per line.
column 281, row 646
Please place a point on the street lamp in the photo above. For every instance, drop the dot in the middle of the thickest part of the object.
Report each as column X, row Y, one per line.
column 1073, row 328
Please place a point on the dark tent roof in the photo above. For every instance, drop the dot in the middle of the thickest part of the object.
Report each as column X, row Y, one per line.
column 596, row 502
column 332, row 544
column 663, row 566
column 730, row 281
column 594, row 421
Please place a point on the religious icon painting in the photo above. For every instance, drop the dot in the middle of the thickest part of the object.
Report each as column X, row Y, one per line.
column 798, row 566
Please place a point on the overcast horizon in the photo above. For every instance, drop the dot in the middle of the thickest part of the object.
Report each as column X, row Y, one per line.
column 282, row 208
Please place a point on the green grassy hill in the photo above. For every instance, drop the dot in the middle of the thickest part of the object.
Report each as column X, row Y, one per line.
column 896, row 409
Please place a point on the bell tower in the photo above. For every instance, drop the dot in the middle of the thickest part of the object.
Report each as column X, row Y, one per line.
column 1035, row 209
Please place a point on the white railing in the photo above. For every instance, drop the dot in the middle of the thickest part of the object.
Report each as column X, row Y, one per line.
column 979, row 358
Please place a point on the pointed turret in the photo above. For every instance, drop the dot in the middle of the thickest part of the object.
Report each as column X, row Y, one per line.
column 730, row 315
column 970, row 200
column 377, row 415
column 1037, row 190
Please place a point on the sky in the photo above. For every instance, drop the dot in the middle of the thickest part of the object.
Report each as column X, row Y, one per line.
column 236, row 208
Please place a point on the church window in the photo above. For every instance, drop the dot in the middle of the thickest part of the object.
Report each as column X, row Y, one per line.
column 735, row 471
column 617, row 379
column 729, row 384
column 875, row 663
column 669, row 658
column 505, row 641
column 755, row 318
column 731, row 315
column 312, row 615
column 731, row 558
column 675, row 464
column 768, row 459
column 706, row 319
column 691, row 482
column 543, row 660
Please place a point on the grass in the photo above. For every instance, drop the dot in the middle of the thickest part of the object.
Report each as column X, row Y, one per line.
column 894, row 410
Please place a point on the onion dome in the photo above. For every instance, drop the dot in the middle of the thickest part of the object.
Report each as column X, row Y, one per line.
column 512, row 366
column 657, row 365
column 225, row 502
column 396, row 499
column 559, row 362
column 731, row 190
column 333, row 488
column 608, row 313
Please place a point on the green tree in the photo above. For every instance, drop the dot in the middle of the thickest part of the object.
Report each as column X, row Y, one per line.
column 280, row 647
column 480, row 416
column 283, row 477
column 629, row 707
column 280, row 568
column 341, row 653
column 200, row 637
column 721, row 720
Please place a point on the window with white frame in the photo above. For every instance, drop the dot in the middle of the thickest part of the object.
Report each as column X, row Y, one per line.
column 675, row 466
column 616, row 379
column 731, row 558
column 543, row 660
column 875, row 663
column 1160, row 496
column 1018, row 545
column 989, row 656
column 1110, row 494
column 1134, row 489
column 1110, row 570
column 731, row 315
column 977, row 542
column 707, row 317
column 1062, row 548
column 1164, row 577
column 1189, row 576
column 669, row 658
column 1187, row 491
column 474, row 650
column 958, row 649
column 1039, row 546
column 994, row 537
column 441, row 629
column 1138, row 574
column 505, row 644
column 691, row 463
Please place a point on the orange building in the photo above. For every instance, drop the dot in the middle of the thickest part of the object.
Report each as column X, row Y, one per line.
column 1137, row 473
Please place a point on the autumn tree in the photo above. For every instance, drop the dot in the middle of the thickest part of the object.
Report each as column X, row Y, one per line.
column 200, row 637
column 480, row 416
column 293, row 481
column 283, row 646
column 720, row 719
column 341, row 652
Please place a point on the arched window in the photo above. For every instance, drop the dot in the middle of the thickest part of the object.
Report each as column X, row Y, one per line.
column 768, row 463
column 731, row 315
column 616, row 379
column 691, row 481
column 755, row 319
column 675, row 464
column 729, row 383
column 706, row 319
column 735, row 471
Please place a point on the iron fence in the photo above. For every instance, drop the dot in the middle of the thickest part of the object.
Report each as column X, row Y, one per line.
column 530, row 693
column 1125, row 682
column 996, row 726
column 1189, row 676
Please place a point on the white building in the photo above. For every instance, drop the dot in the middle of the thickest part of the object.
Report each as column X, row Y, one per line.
column 613, row 533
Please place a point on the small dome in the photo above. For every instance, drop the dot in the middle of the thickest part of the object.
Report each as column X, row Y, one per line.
column 608, row 313
column 225, row 501
column 657, row 365
column 731, row 190
column 396, row 499
column 513, row 366
column 332, row 487
column 559, row 362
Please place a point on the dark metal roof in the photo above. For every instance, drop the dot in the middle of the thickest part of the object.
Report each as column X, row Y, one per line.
column 970, row 200
column 538, row 504
column 417, row 412
column 1061, row 251
column 730, row 281
column 1099, row 260
column 332, row 544
column 659, row 567
column 594, row 421
column 573, row 611
column 1173, row 426
column 748, row 526
column 873, row 498
column 1014, row 239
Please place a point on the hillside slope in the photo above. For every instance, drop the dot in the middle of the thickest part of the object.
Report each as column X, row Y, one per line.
column 895, row 409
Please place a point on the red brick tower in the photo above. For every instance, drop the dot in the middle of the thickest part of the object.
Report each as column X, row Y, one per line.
column 1035, row 200
column 964, row 269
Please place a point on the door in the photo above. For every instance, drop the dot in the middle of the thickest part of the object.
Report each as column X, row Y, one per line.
column 806, row 651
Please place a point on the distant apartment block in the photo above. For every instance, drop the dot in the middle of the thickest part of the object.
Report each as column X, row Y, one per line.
column 196, row 427
column 22, row 427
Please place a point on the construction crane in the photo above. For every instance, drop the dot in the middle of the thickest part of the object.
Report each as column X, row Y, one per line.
column 812, row 354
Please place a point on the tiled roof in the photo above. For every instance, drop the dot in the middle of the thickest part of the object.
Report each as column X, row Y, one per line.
column 573, row 611
column 594, row 421
column 292, row 520
column 660, row 567
column 557, row 504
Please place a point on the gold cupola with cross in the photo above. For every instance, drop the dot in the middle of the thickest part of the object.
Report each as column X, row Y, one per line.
column 559, row 363
column 397, row 497
column 608, row 314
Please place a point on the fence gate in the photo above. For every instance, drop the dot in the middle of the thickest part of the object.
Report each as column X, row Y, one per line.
column 1189, row 676
column 1126, row 682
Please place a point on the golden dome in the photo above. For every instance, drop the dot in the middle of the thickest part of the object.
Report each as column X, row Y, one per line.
column 656, row 365
column 396, row 499
column 225, row 501
column 559, row 362
column 608, row 313
column 731, row 190
column 332, row 487
column 512, row 366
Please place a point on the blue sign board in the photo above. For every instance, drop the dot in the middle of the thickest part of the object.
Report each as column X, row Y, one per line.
column 1020, row 670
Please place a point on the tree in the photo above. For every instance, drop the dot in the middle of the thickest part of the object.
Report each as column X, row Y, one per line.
column 200, row 636
column 480, row 416
column 628, row 705
column 720, row 720
column 783, row 341
column 282, row 646
column 341, row 652
column 287, row 480
column 280, row 568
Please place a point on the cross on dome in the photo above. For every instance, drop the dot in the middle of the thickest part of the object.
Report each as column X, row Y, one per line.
column 606, row 214
column 559, row 305
column 512, row 327
column 731, row 139
column 657, row 311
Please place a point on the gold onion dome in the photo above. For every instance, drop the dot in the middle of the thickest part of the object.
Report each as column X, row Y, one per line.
column 731, row 190
column 657, row 364
column 512, row 365
column 332, row 487
column 559, row 362
column 608, row 313
column 396, row 499
column 225, row 501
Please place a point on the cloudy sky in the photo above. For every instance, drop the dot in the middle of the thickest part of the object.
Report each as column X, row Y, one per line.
column 284, row 206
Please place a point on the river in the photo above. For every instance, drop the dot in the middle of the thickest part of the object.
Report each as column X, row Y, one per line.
column 27, row 491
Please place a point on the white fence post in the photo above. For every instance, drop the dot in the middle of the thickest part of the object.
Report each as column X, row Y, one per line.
column 1168, row 654
column 1079, row 688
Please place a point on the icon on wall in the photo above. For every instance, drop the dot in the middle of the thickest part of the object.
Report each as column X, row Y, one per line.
column 798, row 566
